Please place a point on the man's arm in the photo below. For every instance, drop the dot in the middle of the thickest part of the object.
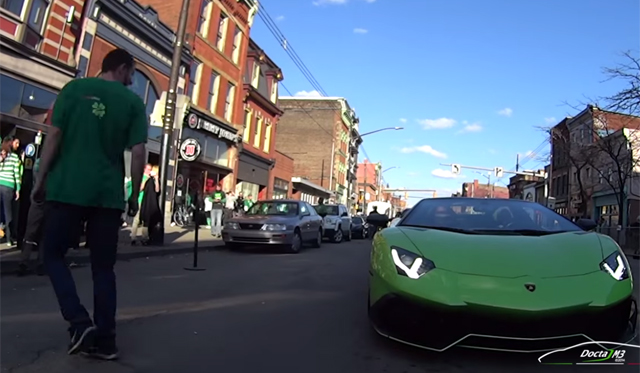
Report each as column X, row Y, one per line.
column 17, row 174
column 49, row 152
column 137, row 143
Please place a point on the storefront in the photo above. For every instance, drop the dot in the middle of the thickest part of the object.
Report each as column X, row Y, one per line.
column 253, row 174
column 605, row 205
column 204, row 153
column 306, row 191
column 280, row 189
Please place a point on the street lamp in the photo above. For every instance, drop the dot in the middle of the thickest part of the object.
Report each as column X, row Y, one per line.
column 382, row 129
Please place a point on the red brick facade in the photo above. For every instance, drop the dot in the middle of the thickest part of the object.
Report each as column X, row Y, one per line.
column 283, row 170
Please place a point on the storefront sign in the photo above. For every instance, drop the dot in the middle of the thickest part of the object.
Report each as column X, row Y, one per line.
column 180, row 180
column 195, row 122
column 190, row 149
column 30, row 150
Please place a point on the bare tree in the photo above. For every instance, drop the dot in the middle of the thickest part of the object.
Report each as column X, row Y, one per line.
column 627, row 100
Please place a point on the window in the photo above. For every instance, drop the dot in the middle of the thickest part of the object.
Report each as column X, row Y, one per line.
column 35, row 23
column 205, row 16
column 142, row 87
column 214, row 87
column 237, row 41
column 25, row 100
column 256, row 135
column 267, row 138
column 274, row 91
column 14, row 6
column 248, row 118
column 195, row 70
column 228, row 105
column 255, row 75
column 83, row 64
column 222, row 32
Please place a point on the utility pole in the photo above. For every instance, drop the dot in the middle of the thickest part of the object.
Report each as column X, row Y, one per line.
column 364, row 200
column 550, row 173
column 170, row 110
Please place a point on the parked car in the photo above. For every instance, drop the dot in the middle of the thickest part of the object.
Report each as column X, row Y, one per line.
column 358, row 227
column 286, row 223
column 337, row 222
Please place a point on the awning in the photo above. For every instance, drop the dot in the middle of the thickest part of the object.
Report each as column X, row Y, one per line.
column 306, row 186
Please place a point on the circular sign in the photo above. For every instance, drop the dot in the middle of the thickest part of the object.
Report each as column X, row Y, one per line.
column 180, row 180
column 192, row 120
column 190, row 149
column 30, row 150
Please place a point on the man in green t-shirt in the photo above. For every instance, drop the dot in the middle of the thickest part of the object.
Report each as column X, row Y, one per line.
column 82, row 166
column 218, row 198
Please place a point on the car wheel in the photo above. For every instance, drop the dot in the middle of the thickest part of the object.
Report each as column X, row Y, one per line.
column 348, row 236
column 296, row 243
column 337, row 236
column 318, row 242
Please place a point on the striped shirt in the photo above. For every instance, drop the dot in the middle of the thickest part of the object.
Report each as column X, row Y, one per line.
column 10, row 172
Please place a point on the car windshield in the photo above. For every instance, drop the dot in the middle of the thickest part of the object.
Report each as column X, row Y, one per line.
column 487, row 216
column 326, row 209
column 273, row 208
column 357, row 220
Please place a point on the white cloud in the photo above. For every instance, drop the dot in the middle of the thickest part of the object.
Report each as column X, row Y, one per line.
column 403, row 120
column 550, row 120
column 439, row 123
column 329, row 2
column 444, row 174
column 474, row 127
column 313, row 93
column 280, row 18
column 424, row 149
column 360, row 30
column 506, row 112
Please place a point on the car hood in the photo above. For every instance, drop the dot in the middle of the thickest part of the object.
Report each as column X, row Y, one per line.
column 263, row 219
column 510, row 256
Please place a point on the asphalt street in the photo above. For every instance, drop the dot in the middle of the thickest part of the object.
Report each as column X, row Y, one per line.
column 248, row 312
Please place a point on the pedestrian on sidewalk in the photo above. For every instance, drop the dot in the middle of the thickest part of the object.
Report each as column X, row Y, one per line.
column 136, row 219
column 150, row 215
column 33, row 233
column 217, row 210
column 82, row 166
column 10, row 179
column 229, row 206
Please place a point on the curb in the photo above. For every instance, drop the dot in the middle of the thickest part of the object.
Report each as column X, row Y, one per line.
column 10, row 267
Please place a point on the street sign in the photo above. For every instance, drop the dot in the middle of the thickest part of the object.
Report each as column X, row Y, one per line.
column 455, row 169
column 499, row 172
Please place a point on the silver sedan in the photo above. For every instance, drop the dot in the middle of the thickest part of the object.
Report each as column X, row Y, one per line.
column 288, row 223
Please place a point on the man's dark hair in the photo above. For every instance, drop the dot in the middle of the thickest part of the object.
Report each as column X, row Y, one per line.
column 115, row 59
column 8, row 139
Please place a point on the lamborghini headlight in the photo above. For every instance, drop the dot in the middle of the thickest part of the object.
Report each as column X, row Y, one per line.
column 616, row 265
column 410, row 264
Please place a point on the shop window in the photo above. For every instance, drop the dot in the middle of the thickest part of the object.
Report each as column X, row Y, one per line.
column 25, row 100
column 14, row 6
column 143, row 87
column 248, row 189
column 280, row 188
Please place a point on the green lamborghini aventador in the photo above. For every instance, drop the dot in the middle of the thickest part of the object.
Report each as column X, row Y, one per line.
column 498, row 274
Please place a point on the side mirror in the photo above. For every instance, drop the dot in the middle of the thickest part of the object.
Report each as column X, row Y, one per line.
column 345, row 215
column 305, row 214
column 587, row 224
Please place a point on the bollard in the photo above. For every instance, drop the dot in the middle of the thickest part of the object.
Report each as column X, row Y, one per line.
column 196, row 214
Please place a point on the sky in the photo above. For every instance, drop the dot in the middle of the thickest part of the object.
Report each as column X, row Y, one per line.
column 472, row 82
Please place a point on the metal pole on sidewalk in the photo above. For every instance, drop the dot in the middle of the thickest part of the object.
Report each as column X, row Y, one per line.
column 170, row 110
column 196, row 219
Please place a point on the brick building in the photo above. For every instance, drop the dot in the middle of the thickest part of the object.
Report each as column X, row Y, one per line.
column 257, row 155
column 368, row 176
column 317, row 133
column 38, row 43
column 218, row 38
column 477, row 190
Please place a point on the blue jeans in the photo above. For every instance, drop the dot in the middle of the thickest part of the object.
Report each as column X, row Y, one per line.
column 216, row 222
column 61, row 230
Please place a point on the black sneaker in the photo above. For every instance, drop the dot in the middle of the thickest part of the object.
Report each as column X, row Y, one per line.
column 103, row 349
column 81, row 338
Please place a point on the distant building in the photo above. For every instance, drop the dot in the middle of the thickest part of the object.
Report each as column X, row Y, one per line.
column 477, row 190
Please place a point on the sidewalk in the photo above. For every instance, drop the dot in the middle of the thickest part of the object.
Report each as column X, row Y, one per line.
column 177, row 241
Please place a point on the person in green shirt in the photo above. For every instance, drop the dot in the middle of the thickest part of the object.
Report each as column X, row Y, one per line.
column 136, row 219
column 94, row 121
column 218, row 198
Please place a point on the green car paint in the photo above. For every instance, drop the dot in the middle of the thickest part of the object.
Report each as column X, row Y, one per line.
column 489, row 271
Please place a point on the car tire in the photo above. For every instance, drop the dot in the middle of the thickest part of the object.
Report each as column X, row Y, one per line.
column 318, row 241
column 338, row 236
column 296, row 243
column 349, row 235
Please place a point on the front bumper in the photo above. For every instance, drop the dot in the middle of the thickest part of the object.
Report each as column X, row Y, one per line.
column 255, row 237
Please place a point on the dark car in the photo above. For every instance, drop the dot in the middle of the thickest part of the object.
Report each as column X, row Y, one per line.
column 286, row 223
column 358, row 227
